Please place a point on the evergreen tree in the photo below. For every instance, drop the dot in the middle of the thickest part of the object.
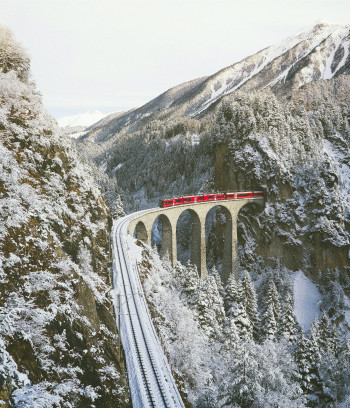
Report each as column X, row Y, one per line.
column 218, row 281
column 272, row 298
column 269, row 327
column 326, row 339
column 288, row 326
column 271, row 313
column 314, row 331
column 250, row 303
column 236, row 309
column 307, row 358
column 190, row 284
column 210, row 307
column 230, row 334
column 231, row 293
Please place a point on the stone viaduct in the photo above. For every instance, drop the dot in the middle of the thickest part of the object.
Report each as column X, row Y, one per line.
column 143, row 224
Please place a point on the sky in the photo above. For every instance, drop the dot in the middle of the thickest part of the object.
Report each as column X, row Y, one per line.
column 113, row 55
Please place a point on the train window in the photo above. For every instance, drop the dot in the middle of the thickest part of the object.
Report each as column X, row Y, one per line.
column 220, row 197
column 200, row 198
column 178, row 200
column 211, row 197
column 230, row 196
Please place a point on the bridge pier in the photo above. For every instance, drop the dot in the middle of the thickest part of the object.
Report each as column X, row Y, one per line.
column 167, row 237
column 141, row 232
column 198, row 249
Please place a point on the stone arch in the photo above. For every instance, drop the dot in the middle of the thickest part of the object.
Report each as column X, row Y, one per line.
column 198, row 255
column 141, row 232
column 166, row 233
column 227, row 260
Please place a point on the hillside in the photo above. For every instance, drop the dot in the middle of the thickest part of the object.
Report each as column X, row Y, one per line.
column 319, row 52
column 58, row 343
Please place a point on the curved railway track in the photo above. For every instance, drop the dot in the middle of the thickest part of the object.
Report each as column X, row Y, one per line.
column 150, row 379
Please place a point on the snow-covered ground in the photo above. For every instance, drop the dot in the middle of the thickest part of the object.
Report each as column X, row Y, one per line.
column 307, row 300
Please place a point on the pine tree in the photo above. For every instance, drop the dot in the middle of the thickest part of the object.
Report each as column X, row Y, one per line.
column 307, row 358
column 190, row 284
column 210, row 307
column 235, row 308
column 218, row 281
column 231, row 293
column 250, row 303
column 273, row 298
column 314, row 331
column 230, row 334
column 269, row 327
column 271, row 313
column 288, row 326
column 327, row 341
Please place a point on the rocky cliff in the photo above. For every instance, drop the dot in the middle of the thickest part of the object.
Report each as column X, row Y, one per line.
column 57, row 330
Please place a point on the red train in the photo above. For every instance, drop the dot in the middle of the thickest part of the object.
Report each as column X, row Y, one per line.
column 210, row 197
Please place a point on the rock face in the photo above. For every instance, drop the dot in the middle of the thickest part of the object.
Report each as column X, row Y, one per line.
column 57, row 330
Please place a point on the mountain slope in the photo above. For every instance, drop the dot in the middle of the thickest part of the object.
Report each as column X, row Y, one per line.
column 58, row 343
column 319, row 52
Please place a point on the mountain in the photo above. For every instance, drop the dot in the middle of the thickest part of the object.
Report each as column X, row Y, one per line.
column 318, row 52
column 58, row 344
column 75, row 125
column 82, row 119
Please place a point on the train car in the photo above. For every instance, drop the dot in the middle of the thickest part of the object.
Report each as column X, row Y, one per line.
column 166, row 203
column 189, row 199
column 221, row 196
column 210, row 197
column 230, row 196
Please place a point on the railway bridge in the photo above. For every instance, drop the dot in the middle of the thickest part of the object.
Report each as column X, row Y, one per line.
column 143, row 224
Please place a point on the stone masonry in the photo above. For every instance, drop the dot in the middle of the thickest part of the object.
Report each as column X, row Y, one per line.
column 169, row 217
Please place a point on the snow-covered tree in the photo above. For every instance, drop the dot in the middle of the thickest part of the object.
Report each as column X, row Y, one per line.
column 250, row 303
column 307, row 358
column 289, row 328
column 190, row 284
column 210, row 307
column 271, row 313
column 12, row 55
column 235, row 308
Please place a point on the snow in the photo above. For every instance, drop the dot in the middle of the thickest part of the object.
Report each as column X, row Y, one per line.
column 307, row 300
column 134, row 251
column 310, row 39
column 82, row 119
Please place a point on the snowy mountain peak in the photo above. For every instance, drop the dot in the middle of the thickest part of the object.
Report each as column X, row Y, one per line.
column 318, row 52
column 82, row 119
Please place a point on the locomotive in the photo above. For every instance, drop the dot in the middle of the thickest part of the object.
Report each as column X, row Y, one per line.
column 209, row 197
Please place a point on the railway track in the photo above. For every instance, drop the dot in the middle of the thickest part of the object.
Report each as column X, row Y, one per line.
column 150, row 379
